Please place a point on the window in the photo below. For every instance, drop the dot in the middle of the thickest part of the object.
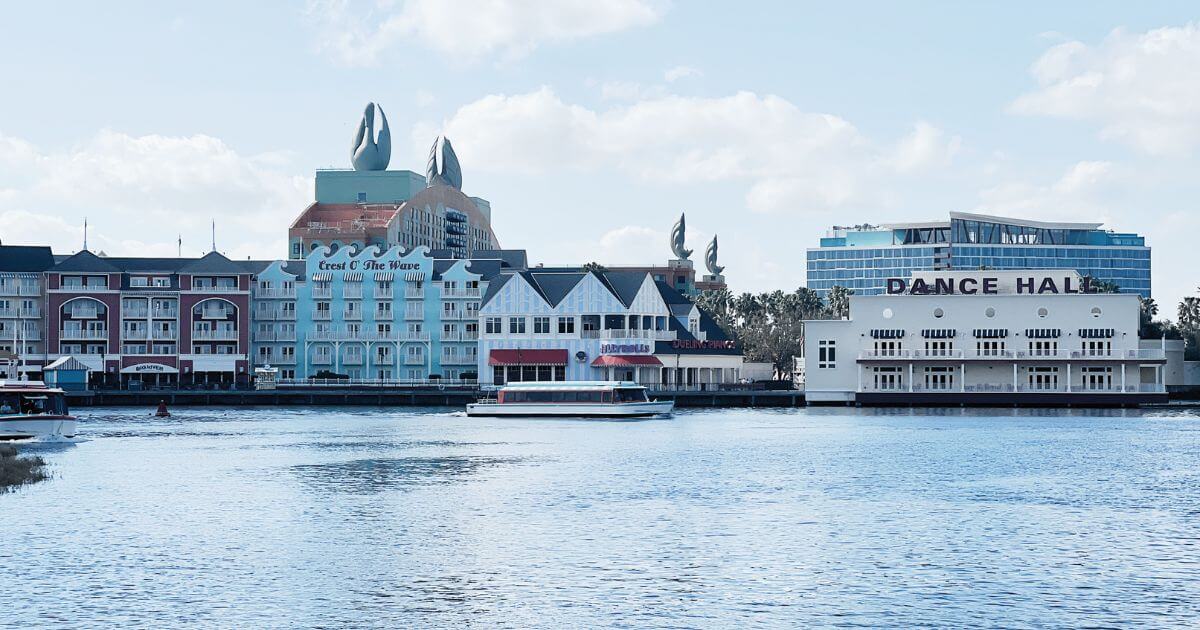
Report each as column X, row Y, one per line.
column 939, row 348
column 566, row 325
column 1043, row 348
column 492, row 326
column 516, row 325
column 888, row 379
column 826, row 353
column 989, row 348
column 939, row 378
column 541, row 325
column 1097, row 378
column 1043, row 378
column 1097, row 347
column 887, row 348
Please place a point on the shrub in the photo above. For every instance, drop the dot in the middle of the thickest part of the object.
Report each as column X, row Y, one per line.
column 17, row 471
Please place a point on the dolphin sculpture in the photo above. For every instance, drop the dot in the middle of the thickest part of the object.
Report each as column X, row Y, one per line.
column 677, row 234
column 710, row 258
column 371, row 153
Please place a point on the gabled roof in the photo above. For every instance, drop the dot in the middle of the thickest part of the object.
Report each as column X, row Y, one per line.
column 494, row 287
column 534, row 284
column 515, row 259
column 556, row 286
column 212, row 262
column 85, row 261
column 624, row 284
column 25, row 258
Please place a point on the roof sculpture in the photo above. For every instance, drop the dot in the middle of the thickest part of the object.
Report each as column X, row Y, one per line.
column 448, row 172
column 371, row 153
column 710, row 258
column 677, row 234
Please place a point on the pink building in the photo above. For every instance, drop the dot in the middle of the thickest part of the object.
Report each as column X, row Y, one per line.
column 151, row 321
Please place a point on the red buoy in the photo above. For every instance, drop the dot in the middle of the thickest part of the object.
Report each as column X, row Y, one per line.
column 162, row 410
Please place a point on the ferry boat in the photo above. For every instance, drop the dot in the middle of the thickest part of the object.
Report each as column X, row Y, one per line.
column 29, row 409
column 592, row 399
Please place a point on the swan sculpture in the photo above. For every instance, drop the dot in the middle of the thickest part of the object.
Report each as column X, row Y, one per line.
column 710, row 258
column 677, row 234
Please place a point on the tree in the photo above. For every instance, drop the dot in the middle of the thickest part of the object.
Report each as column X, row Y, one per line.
column 1103, row 286
column 595, row 267
column 838, row 302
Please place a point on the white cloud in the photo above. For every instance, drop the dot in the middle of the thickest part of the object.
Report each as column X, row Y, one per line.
column 359, row 32
column 681, row 72
column 140, row 192
column 1142, row 89
column 1083, row 193
column 641, row 245
column 786, row 158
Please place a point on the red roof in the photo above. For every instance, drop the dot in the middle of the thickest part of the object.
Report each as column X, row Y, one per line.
column 527, row 357
column 623, row 360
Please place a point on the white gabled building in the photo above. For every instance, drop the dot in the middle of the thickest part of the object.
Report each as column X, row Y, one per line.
column 571, row 324
column 984, row 337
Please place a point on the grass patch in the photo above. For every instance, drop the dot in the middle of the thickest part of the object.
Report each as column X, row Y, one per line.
column 17, row 471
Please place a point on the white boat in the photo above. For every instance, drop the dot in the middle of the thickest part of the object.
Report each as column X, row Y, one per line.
column 29, row 409
column 574, row 399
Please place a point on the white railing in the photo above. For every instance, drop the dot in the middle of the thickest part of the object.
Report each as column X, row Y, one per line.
column 589, row 334
column 378, row 382
column 215, row 289
column 352, row 359
column 414, row 294
column 215, row 313
column 319, row 293
column 365, row 335
column 20, row 312
column 459, row 359
column 322, row 359
column 383, row 294
column 461, row 293
column 459, row 336
column 1001, row 388
column 614, row 333
column 28, row 291
column 164, row 335
column 83, row 333
column 275, row 293
column 136, row 335
column 414, row 360
column 265, row 314
column 322, row 315
column 275, row 359
column 410, row 313
column 352, row 316
column 83, row 313
column 140, row 313
column 165, row 313
column 286, row 315
column 383, row 316
column 352, row 291
column 214, row 335
column 381, row 359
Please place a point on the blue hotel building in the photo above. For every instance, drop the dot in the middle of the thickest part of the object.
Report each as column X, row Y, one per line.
column 863, row 257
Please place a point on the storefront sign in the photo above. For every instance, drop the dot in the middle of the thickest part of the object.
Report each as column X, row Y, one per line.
column 369, row 265
column 988, row 285
column 696, row 344
column 149, row 368
column 625, row 348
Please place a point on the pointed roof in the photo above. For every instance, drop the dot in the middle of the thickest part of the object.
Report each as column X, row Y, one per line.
column 212, row 262
column 25, row 258
column 85, row 261
column 494, row 287
column 556, row 286
column 624, row 284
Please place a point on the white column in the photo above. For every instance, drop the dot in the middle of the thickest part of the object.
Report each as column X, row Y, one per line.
column 1068, row 378
column 1122, row 377
column 910, row 377
column 859, row 367
column 1014, row 377
column 962, row 387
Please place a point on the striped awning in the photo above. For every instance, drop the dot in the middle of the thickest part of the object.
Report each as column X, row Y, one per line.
column 353, row 276
column 887, row 333
column 322, row 277
column 991, row 333
column 384, row 276
column 939, row 333
column 1097, row 333
column 1043, row 333
column 414, row 276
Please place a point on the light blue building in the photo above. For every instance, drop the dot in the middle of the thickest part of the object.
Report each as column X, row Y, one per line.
column 863, row 257
column 373, row 314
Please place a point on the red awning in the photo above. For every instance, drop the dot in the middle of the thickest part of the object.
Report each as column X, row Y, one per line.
column 625, row 360
column 527, row 357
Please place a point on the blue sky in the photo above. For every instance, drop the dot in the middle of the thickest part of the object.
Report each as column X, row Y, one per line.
column 590, row 126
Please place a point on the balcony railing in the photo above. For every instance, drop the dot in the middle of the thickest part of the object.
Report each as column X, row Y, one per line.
column 275, row 359
column 20, row 312
column 322, row 315
column 352, row 316
column 412, row 313
column 366, row 335
column 216, row 289
column 84, row 333
column 459, row 359
column 636, row 333
column 414, row 360
column 1019, row 355
column 135, row 313
column 352, row 359
column 83, row 313
column 384, row 359
column 383, row 294
column 214, row 335
column 164, row 335
column 265, row 314
column 319, row 293
column 383, row 316
column 459, row 336
column 275, row 293
column 414, row 294
column 164, row 313
column 215, row 313
column 352, row 291
column 135, row 335
column 461, row 293
column 1001, row 388
column 322, row 359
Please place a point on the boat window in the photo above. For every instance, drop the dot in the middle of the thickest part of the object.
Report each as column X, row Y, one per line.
column 33, row 405
column 9, row 404
column 631, row 395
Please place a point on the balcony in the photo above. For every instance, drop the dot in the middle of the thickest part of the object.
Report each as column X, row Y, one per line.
column 383, row 359
column 383, row 294
column 265, row 314
column 459, row 336
column 383, row 316
column 84, row 334
column 322, row 293
column 286, row 315
column 135, row 335
column 1002, row 388
column 322, row 359
column 220, row 288
column 352, row 291
column 414, row 294
column 414, row 360
column 26, row 290
column 623, row 333
column 275, row 335
column 269, row 294
column 461, row 293
column 414, row 313
column 366, row 335
column 276, row 359
column 9, row 313
column 83, row 313
column 459, row 359
column 352, row 359
column 354, row 315
column 215, row 313
column 165, row 313
column 135, row 313
column 164, row 335
column 221, row 334
column 322, row 315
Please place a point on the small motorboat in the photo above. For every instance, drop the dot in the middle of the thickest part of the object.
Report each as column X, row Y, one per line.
column 30, row 409
column 593, row 399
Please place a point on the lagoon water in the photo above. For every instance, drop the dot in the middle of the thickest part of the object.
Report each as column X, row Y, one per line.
column 724, row 518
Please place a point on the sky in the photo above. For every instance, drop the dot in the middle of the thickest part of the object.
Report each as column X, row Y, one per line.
column 590, row 126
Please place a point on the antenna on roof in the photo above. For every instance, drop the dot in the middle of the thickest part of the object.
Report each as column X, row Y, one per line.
column 85, row 234
column 179, row 247
column 214, row 235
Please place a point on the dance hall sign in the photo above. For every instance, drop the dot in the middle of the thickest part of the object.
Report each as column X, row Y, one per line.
column 995, row 283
